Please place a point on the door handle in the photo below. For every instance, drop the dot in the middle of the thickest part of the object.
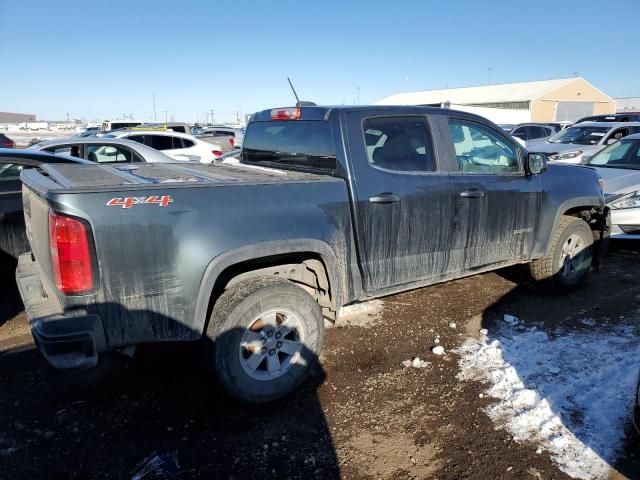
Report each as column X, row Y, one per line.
column 384, row 197
column 473, row 193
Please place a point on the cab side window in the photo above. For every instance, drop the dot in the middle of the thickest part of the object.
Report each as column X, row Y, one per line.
column 480, row 150
column 401, row 144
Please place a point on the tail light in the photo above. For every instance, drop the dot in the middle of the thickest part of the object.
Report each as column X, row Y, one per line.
column 232, row 141
column 70, row 256
column 217, row 153
column 293, row 113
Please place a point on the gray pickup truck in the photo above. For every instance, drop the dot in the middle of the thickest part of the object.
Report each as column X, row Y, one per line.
column 329, row 206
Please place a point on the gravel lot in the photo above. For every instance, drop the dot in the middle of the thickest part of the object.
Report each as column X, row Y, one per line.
column 363, row 415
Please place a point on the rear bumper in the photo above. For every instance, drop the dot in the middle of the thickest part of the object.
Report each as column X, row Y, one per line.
column 66, row 340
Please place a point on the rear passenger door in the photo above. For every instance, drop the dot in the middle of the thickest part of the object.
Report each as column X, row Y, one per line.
column 496, row 204
column 403, row 200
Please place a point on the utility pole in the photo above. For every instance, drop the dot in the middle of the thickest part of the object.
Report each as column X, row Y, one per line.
column 212, row 121
column 153, row 96
column 67, row 117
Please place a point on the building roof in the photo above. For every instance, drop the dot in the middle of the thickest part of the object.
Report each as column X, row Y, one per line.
column 505, row 92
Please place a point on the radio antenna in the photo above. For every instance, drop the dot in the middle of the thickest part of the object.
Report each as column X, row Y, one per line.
column 293, row 89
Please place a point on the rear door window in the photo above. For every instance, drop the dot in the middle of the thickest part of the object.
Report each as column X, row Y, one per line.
column 177, row 143
column 10, row 171
column 401, row 143
column 521, row 133
column 161, row 142
column 108, row 154
column 536, row 132
column 302, row 143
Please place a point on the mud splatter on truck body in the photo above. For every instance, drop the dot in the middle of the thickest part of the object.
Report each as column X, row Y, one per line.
column 326, row 207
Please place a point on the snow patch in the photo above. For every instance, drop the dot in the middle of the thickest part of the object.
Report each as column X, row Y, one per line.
column 570, row 392
column 438, row 350
column 365, row 314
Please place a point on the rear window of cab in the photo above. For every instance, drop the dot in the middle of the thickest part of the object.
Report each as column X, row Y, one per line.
column 297, row 143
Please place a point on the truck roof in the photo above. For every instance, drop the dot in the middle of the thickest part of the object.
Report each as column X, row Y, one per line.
column 323, row 112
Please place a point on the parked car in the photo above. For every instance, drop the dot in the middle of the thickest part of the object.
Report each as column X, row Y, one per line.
column 557, row 126
column 6, row 142
column 103, row 150
column 179, row 127
column 507, row 127
column 222, row 136
column 585, row 139
column 330, row 205
column 619, row 167
column 533, row 131
column 13, row 240
column 614, row 117
column 176, row 145
column 117, row 124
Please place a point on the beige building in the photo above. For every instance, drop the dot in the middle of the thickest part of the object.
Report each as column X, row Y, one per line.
column 540, row 101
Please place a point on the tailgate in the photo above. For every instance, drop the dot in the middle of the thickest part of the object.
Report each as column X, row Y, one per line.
column 36, row 219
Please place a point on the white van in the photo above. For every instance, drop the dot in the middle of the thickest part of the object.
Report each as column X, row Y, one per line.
column 115, row 124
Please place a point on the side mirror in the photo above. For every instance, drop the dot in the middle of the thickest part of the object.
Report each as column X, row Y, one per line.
column 585, row 159
column 536, row 163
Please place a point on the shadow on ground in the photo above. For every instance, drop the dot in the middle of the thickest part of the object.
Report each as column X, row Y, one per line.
column 100, row 423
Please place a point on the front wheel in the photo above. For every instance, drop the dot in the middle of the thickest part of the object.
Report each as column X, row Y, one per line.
column 263, row 338
column 570, row 257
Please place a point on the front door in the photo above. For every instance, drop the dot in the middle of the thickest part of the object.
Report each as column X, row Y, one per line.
column 496, row 203
column 403, row 199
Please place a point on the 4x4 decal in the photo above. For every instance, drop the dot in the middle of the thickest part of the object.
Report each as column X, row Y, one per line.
column 128, row 202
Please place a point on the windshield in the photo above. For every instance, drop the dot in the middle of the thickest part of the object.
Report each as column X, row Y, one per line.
column 580, row 135
column 622, row 154
column 307, row 143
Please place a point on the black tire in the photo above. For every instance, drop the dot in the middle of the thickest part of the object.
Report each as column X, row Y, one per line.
column 235, row 311
column 550, row 271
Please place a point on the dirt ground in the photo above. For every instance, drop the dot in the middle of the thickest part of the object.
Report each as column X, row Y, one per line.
column 361, row 416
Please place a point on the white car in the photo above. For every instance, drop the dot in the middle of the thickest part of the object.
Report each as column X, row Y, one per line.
column 581, row 141
column 180, row 146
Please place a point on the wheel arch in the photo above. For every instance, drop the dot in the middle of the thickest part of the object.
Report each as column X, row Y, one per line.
column 260, row 259
column 590, row 209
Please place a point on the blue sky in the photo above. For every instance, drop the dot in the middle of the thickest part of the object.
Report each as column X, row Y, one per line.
column 100, row 60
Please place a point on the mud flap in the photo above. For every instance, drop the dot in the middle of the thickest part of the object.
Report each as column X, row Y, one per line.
column 601, row 229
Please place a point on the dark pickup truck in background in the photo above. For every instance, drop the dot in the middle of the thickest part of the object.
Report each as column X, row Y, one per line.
column 329, row 206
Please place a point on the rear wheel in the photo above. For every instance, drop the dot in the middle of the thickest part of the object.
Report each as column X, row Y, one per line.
column 570, row 257
column 263, row 338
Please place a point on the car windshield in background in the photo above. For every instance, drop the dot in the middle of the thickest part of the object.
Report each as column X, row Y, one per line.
column 304, row 143
column 623, row 154
column 580, row 135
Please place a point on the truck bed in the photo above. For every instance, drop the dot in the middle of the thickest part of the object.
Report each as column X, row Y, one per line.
column 84, row 178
